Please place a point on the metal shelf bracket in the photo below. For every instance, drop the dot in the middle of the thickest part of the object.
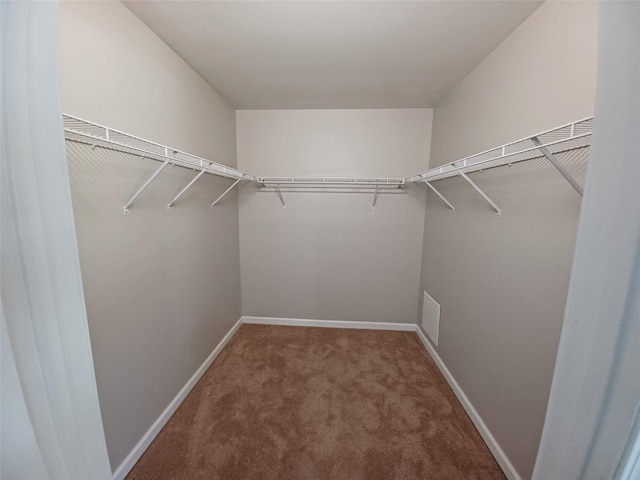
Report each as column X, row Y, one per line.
column 477, row 189
column 145, row 185
column 375, row 198
column 215, row 202
column 554, row 161
column 284, row 205
column 175, row 199
column 433, row 189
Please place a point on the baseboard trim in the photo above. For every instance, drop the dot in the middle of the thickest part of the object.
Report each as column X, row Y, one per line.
column 502, row 459
column 304, row 322
column 135, row 454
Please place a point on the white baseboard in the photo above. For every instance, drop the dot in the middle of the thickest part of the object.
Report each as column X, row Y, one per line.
column 135, row 454
column 502, row 459
column 303, row 322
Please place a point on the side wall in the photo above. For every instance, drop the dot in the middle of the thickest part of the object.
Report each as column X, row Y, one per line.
column 502, row 282
column 330, row 255
column 162, row 289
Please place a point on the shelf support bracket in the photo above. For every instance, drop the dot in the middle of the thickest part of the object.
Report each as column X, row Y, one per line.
column 477, row 189
column 145, row 185
column 175, row 199
column 215, row 202
column 375, row 198
column 284, row 205
column 433, row 189
column 554, row 161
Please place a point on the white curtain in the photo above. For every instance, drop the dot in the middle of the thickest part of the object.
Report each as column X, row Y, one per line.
column 592, row 424
column 41, row 290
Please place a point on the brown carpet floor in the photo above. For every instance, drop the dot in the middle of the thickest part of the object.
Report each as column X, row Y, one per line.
column 295, row 403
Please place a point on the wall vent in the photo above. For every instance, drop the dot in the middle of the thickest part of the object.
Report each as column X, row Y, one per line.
column 431, row 317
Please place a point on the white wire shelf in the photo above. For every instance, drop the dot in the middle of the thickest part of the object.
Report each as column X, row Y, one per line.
column 565, row 137
column 544, row 144
column 77, row 129
column 329, row 181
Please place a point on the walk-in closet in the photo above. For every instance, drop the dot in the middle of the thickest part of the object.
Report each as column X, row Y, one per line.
column 320, row 240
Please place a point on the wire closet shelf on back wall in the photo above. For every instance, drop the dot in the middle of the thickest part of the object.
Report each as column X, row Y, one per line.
column 547, row 144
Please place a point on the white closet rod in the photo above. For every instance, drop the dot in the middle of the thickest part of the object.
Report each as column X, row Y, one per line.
column 372, row 182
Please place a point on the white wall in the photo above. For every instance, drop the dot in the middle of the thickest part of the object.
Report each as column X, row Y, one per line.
column 502, row 282
column 329, row 255
column 161, row 288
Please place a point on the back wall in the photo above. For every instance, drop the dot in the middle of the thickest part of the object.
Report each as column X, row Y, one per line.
column 330, row 255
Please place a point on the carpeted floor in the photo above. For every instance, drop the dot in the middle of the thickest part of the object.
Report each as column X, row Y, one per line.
column 294, row 403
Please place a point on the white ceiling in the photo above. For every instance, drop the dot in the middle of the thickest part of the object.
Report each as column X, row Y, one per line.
column 324, row 54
